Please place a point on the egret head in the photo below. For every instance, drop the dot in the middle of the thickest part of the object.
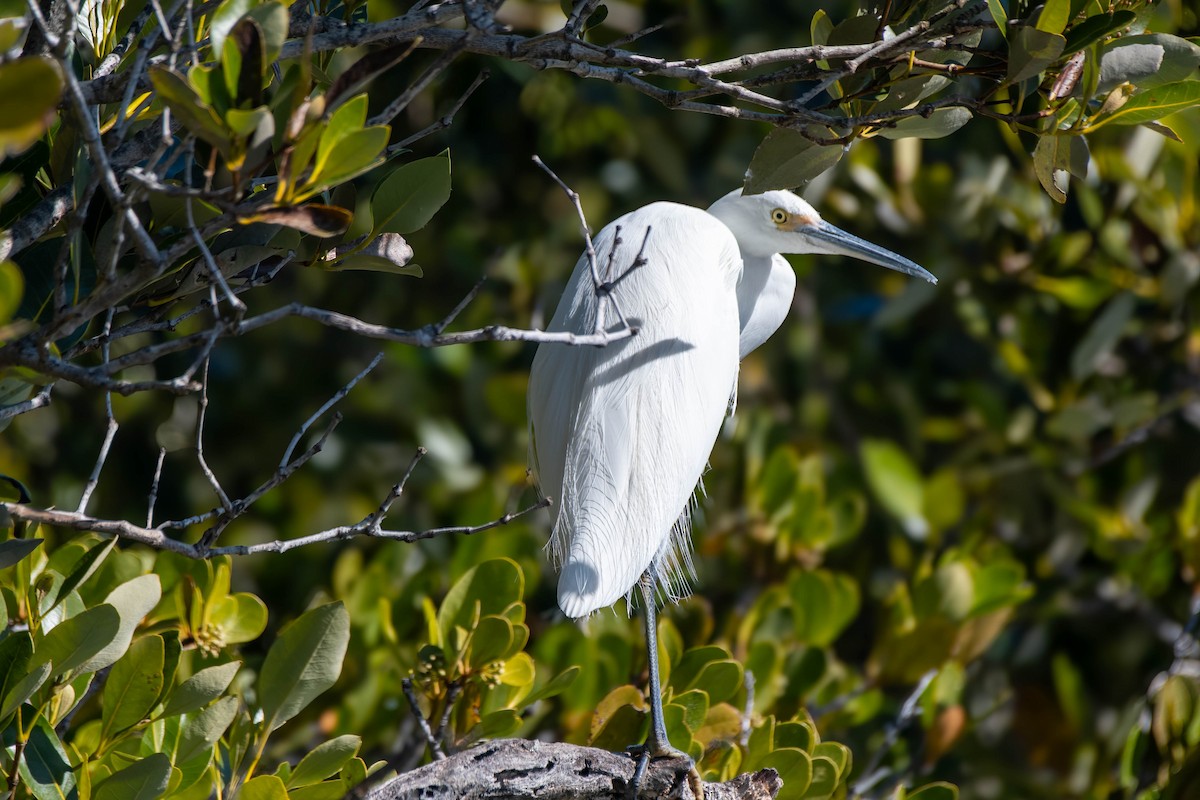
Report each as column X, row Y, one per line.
column 780, row 222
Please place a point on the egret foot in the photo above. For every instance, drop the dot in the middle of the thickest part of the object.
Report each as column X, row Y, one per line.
column 645, row 753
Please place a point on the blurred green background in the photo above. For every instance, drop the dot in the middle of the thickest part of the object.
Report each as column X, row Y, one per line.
column 1039, row 410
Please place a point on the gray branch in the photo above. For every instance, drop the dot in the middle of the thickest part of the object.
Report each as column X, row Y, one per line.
column 518, row 769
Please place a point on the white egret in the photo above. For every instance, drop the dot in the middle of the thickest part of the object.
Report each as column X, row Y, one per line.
column 619, row 435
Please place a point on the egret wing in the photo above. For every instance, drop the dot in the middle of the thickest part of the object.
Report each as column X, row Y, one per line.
column 621, row 434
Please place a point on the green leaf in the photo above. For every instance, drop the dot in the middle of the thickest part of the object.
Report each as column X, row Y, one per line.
column 407, row 199
column 935, row 791
column 501, row 723
column 896, row 482
column 202, row 688
column 1054, row 16
column 1102, row 337
column 559, row 684
column 788, row 160
column 1153, row 104
column 489, row 641
column 910, row 91
column 16, row 649
column 795, row 770
column 999, row 16
column 491, row 587
column 303, row 662
column 202, row 729
column 45, row 768
column 12, row 289
column 223, row 19
column 1148, row 61
column 354, row 154
column 942, row 122
column 823, row 604
column 1096, row 27
column 13, row 550
column 133, row 600
column 87, row 564
column 133, row 686
column 263, row 787
column 30, row 89
column 74, row 641
column 825, row 778
column 242, row 617
column 1051, row 157
column 1031, row 51
column 24, row 687
column 196, row 115
column 146, row 779
column 324, row 760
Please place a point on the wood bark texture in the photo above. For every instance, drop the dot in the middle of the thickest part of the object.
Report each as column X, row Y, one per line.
column 515, row 769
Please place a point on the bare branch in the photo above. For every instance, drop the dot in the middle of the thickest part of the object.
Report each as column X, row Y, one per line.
column 42, row 398
column 330, row 403
column 435, row 747
column 162, row 454
column 154, row 537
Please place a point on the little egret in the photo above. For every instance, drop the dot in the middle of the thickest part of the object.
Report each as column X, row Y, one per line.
column 619, row 435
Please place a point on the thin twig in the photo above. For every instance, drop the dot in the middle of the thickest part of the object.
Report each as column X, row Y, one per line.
column 110, row 432
column 872, row 774
column 226, row 503
column 162, row 454
column 435, row 747
column 330, row 403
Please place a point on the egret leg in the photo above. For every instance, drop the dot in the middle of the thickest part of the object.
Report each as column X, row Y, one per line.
column 657, row 743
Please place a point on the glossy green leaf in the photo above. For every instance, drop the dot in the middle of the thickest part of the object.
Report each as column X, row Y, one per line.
column 242, row 617
column 555, row 686
column 133, row 600
column 352, row 155
column 80, row 571
column 838, row 754
column 1148, row 61
column 788, row 160
column 23, row 686
column 74, row 641
column 1031, row 51
column 1050, row 159
column 489, row 641
column 1153, row 104
column 133, row 686
column 489, row 587
column 501, row 723
column 324, row 760
column 1054, row 16
column 146, row 779
column 45, row 769
column 1096, row 27
column 16, row 650
column 408, row 198
column 201, row 729
column 303, row 662
column 896, row 483
column 825, row 778
column 942, row 122
column 796, row 735
column 30, row 89
column 13, row 550
column 262, row 787
column 910, row 91
column 794, row 768
column 224, row 19
column 202, row 688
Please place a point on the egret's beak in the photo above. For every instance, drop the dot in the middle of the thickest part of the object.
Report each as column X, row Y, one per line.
column 838, row 242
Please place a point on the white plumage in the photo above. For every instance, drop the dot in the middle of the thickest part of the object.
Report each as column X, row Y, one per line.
column 620, row 434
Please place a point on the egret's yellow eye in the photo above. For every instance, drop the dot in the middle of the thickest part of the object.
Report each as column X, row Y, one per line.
column 779, row 216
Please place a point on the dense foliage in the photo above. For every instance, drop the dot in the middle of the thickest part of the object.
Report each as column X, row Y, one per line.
column 951, row 538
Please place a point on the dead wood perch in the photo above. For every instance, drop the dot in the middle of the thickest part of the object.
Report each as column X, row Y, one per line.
column 516, row 769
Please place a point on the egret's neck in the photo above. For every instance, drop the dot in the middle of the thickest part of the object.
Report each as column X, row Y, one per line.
column 764, row 296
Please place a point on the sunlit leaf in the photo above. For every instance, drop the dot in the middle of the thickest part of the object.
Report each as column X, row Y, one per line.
column 1031, row 51
column 45, row 768
column 408, row 198
column 942, row 122
column 324, row 760
column 303, row 662
column 202, row 688
column 896, row 483
column 133, row 686
column 146, row 779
